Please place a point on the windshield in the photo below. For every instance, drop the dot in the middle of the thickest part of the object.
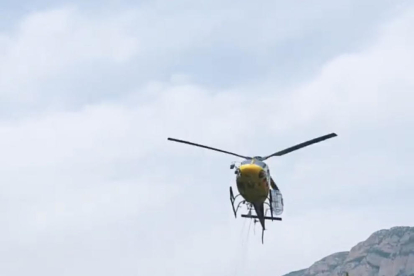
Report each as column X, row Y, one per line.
column 256, row 162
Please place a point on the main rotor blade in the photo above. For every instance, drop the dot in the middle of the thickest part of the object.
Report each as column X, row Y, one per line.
column 301, row 145
column 206, row 147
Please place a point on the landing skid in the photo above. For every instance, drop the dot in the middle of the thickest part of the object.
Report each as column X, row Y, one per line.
column 256, row 217
column 250, row 208
column 233, row 199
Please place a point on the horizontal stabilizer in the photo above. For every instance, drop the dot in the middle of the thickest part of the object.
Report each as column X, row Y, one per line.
column 256, row 217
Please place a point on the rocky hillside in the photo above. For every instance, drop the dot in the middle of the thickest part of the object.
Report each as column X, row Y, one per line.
column 385, row 253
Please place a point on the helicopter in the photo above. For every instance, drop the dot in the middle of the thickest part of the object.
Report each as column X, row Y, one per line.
column 255, row 184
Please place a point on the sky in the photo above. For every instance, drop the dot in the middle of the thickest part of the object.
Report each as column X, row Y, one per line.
column 90, row 91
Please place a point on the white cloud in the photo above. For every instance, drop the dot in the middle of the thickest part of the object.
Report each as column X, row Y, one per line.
column 47, row 44
column 101, row 191
column 58, row 58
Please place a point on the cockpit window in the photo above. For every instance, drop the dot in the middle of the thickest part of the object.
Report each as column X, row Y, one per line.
column 260, row 163
column 245, row 162
column 256, row 162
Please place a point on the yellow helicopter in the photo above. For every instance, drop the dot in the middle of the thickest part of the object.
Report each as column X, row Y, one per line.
column 255, row 184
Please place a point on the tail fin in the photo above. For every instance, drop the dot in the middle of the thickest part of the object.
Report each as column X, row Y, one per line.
column 259, row 208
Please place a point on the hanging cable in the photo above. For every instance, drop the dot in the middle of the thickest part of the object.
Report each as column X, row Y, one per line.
column 237, row 256
column 244, row 250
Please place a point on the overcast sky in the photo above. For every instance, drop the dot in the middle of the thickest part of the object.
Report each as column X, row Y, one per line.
column 90, row 91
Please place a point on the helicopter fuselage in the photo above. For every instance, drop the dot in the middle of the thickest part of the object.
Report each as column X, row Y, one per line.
column 253, row 179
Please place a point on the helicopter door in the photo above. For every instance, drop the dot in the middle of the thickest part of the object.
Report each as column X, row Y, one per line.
column 277, row 202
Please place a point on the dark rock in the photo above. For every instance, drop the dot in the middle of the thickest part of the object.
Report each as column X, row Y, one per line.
column 385, row 253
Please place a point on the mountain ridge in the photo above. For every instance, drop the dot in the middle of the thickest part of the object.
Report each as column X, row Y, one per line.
column 386, row 252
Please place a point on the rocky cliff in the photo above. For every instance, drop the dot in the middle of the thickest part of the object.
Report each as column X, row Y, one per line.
column 385, row 253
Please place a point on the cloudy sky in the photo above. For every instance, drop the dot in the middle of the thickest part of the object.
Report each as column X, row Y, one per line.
column 90, row 91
